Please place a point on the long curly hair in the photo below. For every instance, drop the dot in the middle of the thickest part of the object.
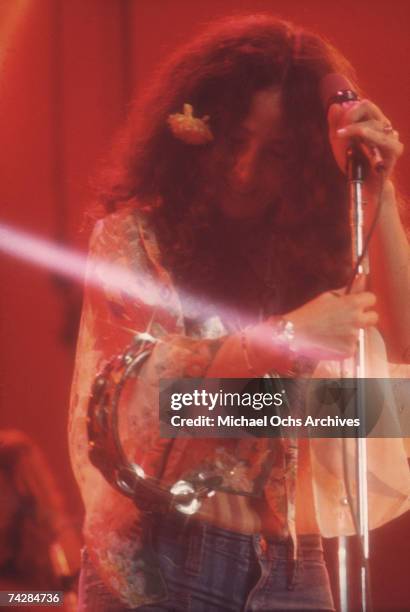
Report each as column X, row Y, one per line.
column 218, row 73
column 32, row 510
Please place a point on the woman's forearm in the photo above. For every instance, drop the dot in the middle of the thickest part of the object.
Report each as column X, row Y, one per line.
column 390, row 276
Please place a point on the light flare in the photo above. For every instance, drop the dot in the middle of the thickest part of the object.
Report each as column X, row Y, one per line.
column 112, row 278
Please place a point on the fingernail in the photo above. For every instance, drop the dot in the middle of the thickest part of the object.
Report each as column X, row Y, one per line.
column 341, row 132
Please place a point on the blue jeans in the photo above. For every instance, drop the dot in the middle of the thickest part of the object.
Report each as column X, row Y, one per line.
column 208, row 569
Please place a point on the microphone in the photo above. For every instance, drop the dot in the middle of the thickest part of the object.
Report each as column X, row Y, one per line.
column 336, row 89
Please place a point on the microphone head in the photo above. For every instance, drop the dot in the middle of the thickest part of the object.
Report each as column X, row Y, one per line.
column 336, row 88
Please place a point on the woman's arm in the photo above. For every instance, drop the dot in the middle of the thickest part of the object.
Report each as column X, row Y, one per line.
column 390, row 277
column 389, row 249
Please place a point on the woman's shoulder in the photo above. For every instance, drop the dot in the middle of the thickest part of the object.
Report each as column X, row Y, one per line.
column 126, row 235
column 122, row 222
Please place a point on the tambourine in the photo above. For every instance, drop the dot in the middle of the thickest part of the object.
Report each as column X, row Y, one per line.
column 106, row 452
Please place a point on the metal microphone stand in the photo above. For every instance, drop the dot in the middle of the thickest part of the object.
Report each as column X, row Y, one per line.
column 355, row 173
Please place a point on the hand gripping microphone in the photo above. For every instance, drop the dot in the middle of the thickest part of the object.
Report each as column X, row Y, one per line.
column 336, row 89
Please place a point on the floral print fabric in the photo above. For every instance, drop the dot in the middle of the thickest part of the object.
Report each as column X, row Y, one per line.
column 127, row 292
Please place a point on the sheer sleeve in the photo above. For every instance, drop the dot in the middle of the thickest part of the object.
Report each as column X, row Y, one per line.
column 388, row 475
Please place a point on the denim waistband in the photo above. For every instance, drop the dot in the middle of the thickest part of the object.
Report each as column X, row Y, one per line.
column 181, row 523
column 188, row 529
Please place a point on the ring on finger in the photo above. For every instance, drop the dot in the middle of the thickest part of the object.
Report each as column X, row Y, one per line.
column 388, row 128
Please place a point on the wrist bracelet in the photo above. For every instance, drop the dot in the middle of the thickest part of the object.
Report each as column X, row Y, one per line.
column 283, row 333
column 284, row 337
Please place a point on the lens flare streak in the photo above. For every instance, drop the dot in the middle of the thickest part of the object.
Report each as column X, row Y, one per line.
column 104, row 275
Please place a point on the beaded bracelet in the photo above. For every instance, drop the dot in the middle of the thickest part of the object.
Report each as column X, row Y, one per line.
column 283, row 334
column 244, row 345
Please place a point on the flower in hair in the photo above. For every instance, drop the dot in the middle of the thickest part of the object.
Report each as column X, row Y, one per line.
column 188, row 128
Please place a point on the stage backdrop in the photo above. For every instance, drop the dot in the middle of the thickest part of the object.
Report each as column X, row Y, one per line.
column 68, row 69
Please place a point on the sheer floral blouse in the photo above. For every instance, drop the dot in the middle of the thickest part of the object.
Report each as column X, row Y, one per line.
column 128, row 291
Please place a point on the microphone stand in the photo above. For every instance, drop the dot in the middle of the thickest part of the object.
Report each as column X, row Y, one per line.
column 356, row 166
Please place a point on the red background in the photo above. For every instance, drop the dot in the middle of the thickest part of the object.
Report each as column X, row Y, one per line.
column 68, row 68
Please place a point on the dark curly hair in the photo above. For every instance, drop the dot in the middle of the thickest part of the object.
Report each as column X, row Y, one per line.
column 218, row 73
